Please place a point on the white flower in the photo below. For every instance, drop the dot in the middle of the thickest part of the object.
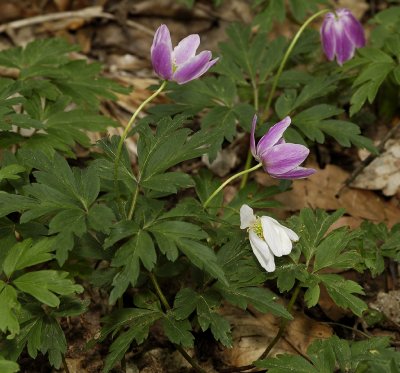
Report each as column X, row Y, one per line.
column 267, row 237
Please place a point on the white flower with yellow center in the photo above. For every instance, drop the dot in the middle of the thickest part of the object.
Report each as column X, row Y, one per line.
column 267, row 237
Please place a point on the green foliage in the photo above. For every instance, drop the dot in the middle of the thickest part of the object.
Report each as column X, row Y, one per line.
column 53, row 100
column 330, row 355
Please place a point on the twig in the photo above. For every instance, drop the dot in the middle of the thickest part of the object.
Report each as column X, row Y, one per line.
column 369, row 159
column 86, row 13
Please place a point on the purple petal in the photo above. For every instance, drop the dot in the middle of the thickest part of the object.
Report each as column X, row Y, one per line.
column 354, row 30
column 194, row 68
column 344, row 46
column 283, row 158
column 296, row 173
column 252, row 139
column 161, row 53
column 328, row 37
column 186, row 49
column 273, row 136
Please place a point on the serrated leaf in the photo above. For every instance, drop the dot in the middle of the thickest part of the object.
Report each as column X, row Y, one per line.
column 11, row 172
column 262, row 299
column 43, row 285
column 26, row 253
column 138, row 249
column 286, row 363
column 178, row 331
column 100, row 218
column 7, row 366
column 341, row 292
column 8, row 310
column 168, row 182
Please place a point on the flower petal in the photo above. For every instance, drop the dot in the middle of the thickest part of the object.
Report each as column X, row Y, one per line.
column 252, row 138
column 161, row 53
column 296, row 173
column 354, row 30
column 344, row 46
column 274, row 135
column 247, row 216
column 186, row 49
column 262, row 252
column 276, row 237
column 328, row 37
column 283, row 158
column 194, row 68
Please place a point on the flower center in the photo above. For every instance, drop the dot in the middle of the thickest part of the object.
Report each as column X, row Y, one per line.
column 256, row 227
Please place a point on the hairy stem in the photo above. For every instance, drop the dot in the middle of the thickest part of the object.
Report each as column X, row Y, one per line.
column 126, row 131
column 226, row 182
column 285, row 58
column 167, row 307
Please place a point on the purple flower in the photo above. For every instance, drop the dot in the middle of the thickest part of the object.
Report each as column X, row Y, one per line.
column 280, row 160
column 341, row 34
column 180, row 64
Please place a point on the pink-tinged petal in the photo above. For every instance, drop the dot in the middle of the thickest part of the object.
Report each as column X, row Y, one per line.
column 186, row 49
column 194, row 68
column 273, row 136
column 328, row 37
column 283, row 158
column 262, row 252
column 161, row 53
column 354, row 30
column 344, row 46
column 277, row 239
column 296, row 173
column 252, row 138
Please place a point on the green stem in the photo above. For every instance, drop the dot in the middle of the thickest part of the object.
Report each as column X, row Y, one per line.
column 134, row 200
column 286, row 57
column 167, row 307
column 126, row 131
column 282, row 326
column 226, row 182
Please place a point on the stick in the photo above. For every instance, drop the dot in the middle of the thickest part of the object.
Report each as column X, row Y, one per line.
column 86, row 13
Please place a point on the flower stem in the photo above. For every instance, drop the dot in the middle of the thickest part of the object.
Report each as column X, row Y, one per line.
column 226, row 182
column 126, row 131
column 283, row 324
column 286, row 57
column 167, row 307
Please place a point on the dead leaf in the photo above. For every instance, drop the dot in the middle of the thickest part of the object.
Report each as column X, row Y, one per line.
column 253, row 332
column 383, row 173
column 320, row 190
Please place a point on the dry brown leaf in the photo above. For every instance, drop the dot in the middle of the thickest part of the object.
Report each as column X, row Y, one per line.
column 253, row 332
column 383, row 173
column 320, row 190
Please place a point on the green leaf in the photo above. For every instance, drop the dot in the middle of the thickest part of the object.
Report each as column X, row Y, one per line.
column 11, row 172
column 178, row 331
column 26, row 253
column 139, row 322
column 43, row 285
column 139, row 248
column 8, row 310
column 341, row 292
column 100, row 218
column 286, row 363
column 262, row 299
column 169, row 182
column 7, row 366
column 202, row 257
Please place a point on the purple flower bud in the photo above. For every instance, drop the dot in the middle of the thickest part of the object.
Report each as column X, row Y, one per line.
column 280, row 159
column 341, row 34
column 181, row 63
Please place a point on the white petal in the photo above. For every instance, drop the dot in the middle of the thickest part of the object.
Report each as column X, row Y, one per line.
column 262, row 252
column 275, row 236
column 247, row 217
